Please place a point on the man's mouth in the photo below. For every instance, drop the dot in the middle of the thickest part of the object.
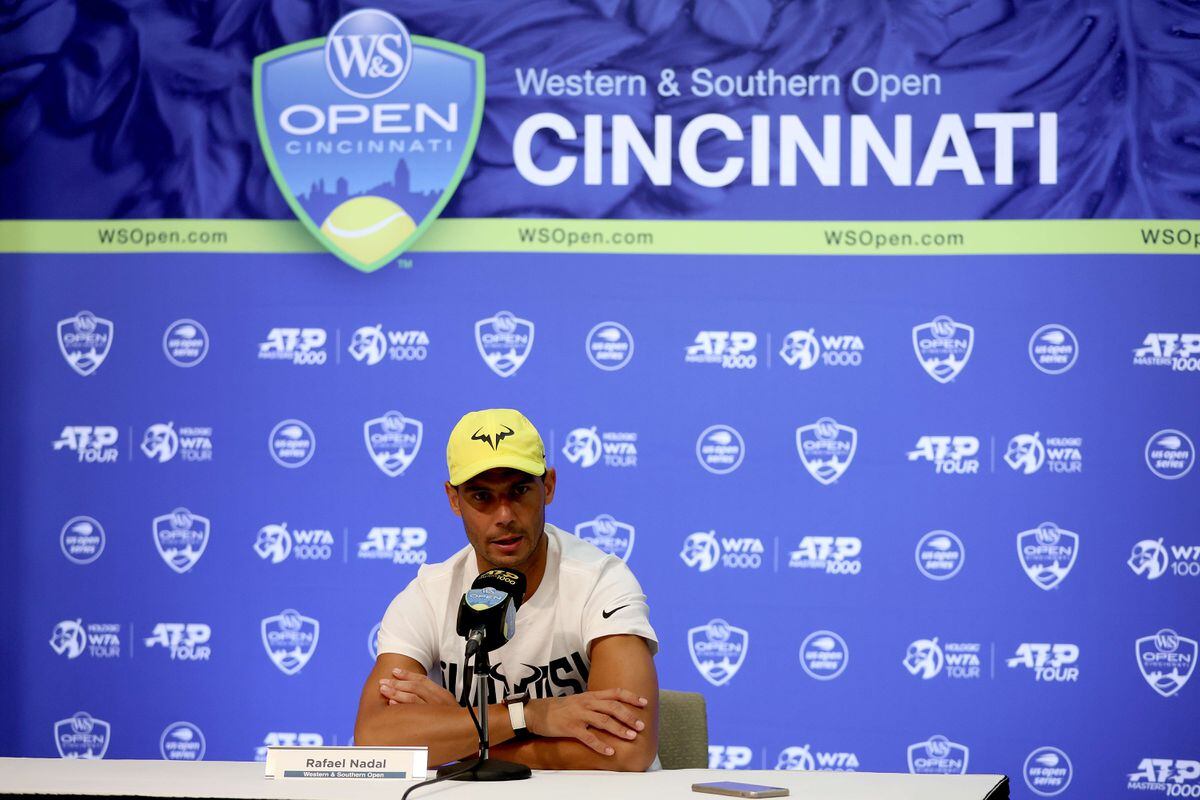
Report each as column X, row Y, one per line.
column 508, row 544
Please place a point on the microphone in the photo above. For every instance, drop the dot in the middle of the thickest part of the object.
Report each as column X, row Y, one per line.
column 487, row 613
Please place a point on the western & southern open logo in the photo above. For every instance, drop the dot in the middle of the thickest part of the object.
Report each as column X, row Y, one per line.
column 368, row 131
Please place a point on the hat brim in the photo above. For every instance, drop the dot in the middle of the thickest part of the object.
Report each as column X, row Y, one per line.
column 529, row 465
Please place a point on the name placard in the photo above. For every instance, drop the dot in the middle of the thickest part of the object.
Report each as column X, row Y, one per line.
column 348, row 763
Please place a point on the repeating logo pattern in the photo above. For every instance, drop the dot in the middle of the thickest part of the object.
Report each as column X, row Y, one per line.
column 943, row 347
column 937, row 755
column 1047, row 554
column 1047, row 771
column 290, row 639
column 718, row 650
column 85, row 341
column 940, row 555
column 611, row 536
column 720, row 449
column 1053, row 349
column 1167, row 660
column 82, row 540
column 505, row 342
column 824, row 655
column 181, row 538
column 82, row 736
column 182, row 741
column 826, row 449
column 1170, row 454
column 393, row 441
column 609, row 346
column 185, row 343
column 292, row 443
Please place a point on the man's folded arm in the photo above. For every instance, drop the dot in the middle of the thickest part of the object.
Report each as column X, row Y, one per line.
column 433, row 720
column 617, row 662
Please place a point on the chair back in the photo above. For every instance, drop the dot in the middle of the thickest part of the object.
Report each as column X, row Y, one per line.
column 682, row 730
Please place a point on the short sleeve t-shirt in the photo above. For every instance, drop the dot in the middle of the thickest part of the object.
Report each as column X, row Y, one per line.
column 585, row 594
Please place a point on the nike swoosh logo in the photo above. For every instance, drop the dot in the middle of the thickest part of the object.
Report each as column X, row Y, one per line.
column 607, row 614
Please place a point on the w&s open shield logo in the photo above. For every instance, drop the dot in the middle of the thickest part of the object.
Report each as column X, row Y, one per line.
column 393, row 441
column 1166, row 660
column 943, row 347
column 504, row 342
column 82, row 736
column 181, row 538
column 368, row 131
column 85, row 341
column 718, row 650
column 290, row 639
column 826, row 448
column 1047, row 554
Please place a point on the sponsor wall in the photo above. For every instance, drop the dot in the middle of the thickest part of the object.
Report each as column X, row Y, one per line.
column 929, row 512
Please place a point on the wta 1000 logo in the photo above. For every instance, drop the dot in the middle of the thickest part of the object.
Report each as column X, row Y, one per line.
column 368, row 131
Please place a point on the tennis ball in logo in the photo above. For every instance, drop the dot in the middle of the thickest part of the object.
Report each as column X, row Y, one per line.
column 368, row 228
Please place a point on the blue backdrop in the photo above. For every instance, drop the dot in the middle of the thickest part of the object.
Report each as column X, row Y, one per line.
column 1032, row 654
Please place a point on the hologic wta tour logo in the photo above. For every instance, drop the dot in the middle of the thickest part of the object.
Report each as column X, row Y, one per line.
column 368, row 131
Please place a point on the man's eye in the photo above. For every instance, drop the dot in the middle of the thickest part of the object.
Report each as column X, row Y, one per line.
column 480, row 497
column 520, row 490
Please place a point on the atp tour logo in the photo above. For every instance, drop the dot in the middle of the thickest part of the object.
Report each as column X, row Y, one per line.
column 833, row 555
column 726, row 349
column 950, row 455
column 703, row 551
column 927, row 659
column 1174, row 777
column 85, row 341
column 1050, row 662
column 1170, row 454
column 609, row 535
column 370, row 345
column 92, row 444
column 394, row 544
column 609, row 346
column 824, row 655
column 292, row 443
column 1053, row 349
column 287, row 739
column 1047, row 771
column 1047, row 553
column 1179, row 351
column 71, row 638
column 185, row 342
column 504, row 342
column 940, row 555
column 82, row 736
column 368, row 131
column 181, row 741
column 82, row 540
column 1152, row 559
column 373, row 641
column 804, row 349
column 184, row 641
column 826, row 449
column 393, row 442
column 1166, row 660
column 943, row 347
column 586, row 447
column 181, row 538
column 290, row 640
column 720, row 449
column 1061, row 455
column 937, row 755
column 191, row 443
column 802, row 759
column 275, row 543
column 299, row 346
column 718, row 650
column 729, row 756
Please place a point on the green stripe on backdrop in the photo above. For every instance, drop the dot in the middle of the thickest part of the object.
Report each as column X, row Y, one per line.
column 685, row 237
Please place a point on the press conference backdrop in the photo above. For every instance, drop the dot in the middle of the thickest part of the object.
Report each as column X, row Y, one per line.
column 904, row 497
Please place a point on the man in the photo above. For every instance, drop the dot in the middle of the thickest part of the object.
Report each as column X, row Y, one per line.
column 576, row 687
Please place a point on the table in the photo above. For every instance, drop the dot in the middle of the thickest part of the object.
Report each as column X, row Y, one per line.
column 240, row 779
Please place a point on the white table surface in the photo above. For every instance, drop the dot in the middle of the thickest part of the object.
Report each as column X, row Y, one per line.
column 240, row 779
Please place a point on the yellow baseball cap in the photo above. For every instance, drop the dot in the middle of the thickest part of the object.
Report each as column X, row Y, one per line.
column 494, row 437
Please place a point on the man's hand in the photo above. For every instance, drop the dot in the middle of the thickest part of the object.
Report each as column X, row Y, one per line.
column 574, row 717
column 406, row 686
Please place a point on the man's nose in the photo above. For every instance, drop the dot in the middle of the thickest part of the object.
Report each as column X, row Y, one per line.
column 504, row 514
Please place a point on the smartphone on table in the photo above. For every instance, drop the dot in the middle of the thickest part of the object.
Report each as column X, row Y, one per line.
column 733, row 789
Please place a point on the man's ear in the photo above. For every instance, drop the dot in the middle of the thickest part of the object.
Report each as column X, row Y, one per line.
column 452, row 496
column 550, row 480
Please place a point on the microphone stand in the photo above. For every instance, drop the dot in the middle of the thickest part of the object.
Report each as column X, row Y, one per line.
column 483, row 768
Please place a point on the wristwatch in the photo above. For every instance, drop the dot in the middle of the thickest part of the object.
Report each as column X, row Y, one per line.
column 516, row 713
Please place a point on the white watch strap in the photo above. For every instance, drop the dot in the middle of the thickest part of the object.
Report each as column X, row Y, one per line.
column 516, row 715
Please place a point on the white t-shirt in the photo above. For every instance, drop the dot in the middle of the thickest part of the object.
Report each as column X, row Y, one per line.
column 585, row 594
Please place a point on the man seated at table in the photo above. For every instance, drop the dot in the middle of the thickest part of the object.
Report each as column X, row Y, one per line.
column 576, row 688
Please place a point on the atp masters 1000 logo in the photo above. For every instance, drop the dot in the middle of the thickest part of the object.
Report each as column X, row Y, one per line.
column 368, row 131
